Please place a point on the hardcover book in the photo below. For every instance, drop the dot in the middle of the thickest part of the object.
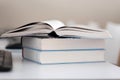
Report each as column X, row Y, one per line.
column 62, row 43
column 68, row 56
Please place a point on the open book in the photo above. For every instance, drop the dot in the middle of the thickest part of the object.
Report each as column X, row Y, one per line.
column 56, row 28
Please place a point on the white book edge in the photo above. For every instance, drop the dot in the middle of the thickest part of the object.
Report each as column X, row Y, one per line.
column 60, row 44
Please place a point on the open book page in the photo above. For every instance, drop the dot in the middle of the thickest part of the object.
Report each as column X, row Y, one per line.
column 80, row 31
column 44, row 27
column 88, row 27
column 54, row 23
column 30, row 27
column 39, row 27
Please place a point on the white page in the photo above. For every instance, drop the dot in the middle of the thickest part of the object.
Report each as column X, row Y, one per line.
column 88, row 27
column 54, row 23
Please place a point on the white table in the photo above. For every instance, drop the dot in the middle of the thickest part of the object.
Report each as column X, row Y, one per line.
column 23, row 69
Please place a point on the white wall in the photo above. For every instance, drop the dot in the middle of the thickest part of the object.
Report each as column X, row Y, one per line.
column 14, row 13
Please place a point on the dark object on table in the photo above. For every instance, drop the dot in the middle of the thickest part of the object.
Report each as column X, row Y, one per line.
column 5, row 61
column 14, row 46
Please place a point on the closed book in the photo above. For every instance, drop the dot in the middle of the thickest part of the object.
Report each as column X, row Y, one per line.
column 65, row 56
column 62, row 43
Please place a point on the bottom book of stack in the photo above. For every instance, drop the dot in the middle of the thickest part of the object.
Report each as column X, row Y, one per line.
column 70, row 56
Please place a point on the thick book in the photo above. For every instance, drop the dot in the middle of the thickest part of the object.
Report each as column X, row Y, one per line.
column 62, row 43
column 58, row 57
column 56, row 28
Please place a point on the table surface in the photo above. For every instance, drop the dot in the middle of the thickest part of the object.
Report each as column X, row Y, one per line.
column 23, row 69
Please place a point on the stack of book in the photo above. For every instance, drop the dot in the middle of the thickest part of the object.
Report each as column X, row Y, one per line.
column 64, row 44
column 61, row 50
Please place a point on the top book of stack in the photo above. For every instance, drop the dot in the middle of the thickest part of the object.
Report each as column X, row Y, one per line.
column 55, row 28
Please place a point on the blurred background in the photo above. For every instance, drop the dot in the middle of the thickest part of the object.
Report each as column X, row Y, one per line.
column 100, row 13
column 14, row 13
